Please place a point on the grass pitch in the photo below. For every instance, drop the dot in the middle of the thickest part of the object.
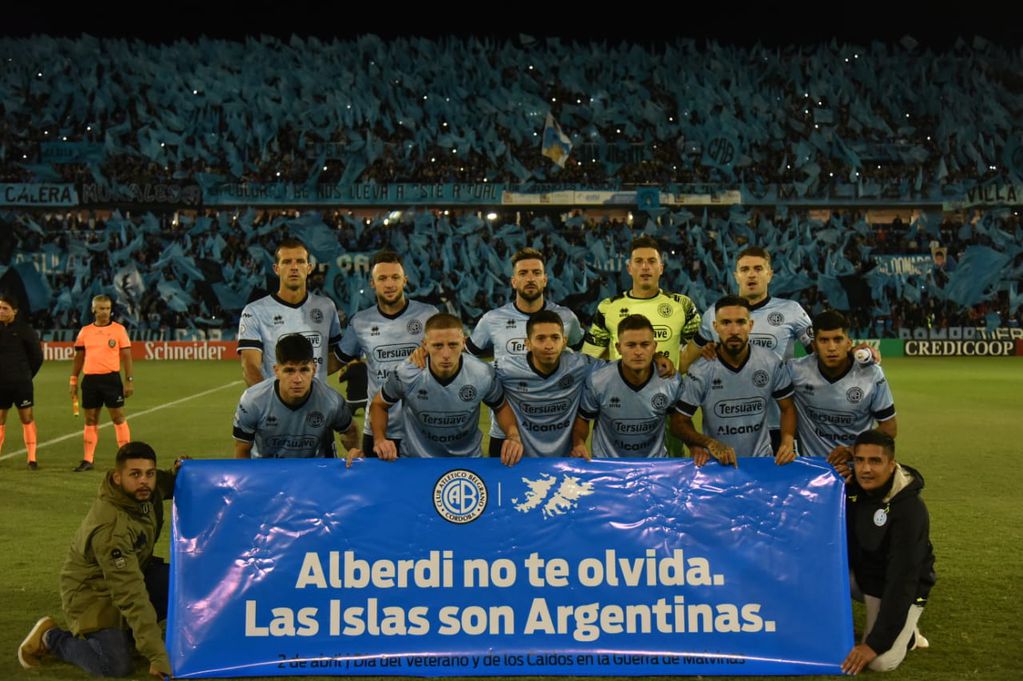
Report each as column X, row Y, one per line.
column 961, row 425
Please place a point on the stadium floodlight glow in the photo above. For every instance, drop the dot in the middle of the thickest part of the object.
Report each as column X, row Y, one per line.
column 491, row 216
column 162, row 145
column 447, row 212
column 195, row 92
column 40, row 74
column 324, row 167
column 426, row 97
column 394, row 215
column 278, row 173
column 670, row 119
column 386, row 222
column 554, row 99
column 816, row 127
column 64, row 138
column 88, row 128
column 530, row 67
column 454, row 151
column 444, row 124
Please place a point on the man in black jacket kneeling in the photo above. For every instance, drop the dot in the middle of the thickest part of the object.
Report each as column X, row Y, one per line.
column 891, row 560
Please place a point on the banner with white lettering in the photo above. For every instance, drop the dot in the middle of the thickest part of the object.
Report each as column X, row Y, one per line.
column 432, row 567
column 38, row 195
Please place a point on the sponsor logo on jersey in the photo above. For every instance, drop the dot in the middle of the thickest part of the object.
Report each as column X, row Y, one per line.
column 831, row 418
column 763, row 341
column 394, row 352
column 516, row 346
column 444, row 419
column 544, row 408
column 302, row 443
column 662, row 333
column 636, row 426
column 744, row 406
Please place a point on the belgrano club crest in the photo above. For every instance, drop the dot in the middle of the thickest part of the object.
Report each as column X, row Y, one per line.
column 460, row 496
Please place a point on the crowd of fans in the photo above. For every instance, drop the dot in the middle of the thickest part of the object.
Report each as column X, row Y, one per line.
column 878, row 119
column 177, row 271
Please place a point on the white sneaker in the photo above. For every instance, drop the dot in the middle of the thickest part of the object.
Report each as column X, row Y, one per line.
column 920, row 641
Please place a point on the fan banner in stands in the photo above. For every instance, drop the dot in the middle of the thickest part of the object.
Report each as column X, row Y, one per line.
column 445, row 567
column 24, row 194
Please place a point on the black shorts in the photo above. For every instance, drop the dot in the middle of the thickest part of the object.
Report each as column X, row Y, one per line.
column 19, row 394
column 367, row 445
column 102, row 390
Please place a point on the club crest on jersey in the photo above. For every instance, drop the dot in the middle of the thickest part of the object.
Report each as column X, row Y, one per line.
column 760, row 378
column 112, row 343
column 315, row 419
column 467, row 393
column 880, row 517
column 854, row 394
column 776, row 319
column 414, row 327
column 460, row 496
column 566, row 382
column 659, row 401
column 664, row 309
column 316, row 316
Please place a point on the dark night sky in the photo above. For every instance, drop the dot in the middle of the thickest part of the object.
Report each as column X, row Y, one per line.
column 730, row 22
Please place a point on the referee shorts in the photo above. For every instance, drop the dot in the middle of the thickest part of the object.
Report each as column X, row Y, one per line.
column 102, row 390
column 18, row 393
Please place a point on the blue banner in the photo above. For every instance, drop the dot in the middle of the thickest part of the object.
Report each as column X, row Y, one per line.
column 433, row 567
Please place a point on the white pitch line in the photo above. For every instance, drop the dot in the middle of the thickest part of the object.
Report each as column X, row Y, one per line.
column 78, row 433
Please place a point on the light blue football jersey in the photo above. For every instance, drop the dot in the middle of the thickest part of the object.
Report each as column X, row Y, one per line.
column 777, row 324
column 385, row 341
column 442, row 418
column 734, row 401
column 545, row 405
column 833, row 413
column 265, row 320
column 629, row 419
column 502, row 332
column 281, row 431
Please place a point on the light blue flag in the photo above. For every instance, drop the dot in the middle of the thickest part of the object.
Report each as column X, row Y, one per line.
column 979, row 268
column 555, row 145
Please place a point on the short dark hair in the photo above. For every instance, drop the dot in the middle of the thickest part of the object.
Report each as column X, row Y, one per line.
column 289, row 242
column 385, row 255
column 527, row 254
column 634, row 322
column 753, row 252
column 730, row 301
column 876, row 437
column 442, row 321
column 644, row 241
column 544, row 317
column 829, row 320
column 134, row 450
column 10, row 299
column 293, row 348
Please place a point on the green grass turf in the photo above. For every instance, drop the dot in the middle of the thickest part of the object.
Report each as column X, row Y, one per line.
column 961, row 424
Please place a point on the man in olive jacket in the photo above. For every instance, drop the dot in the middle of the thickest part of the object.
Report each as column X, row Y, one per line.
column 112, row 589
